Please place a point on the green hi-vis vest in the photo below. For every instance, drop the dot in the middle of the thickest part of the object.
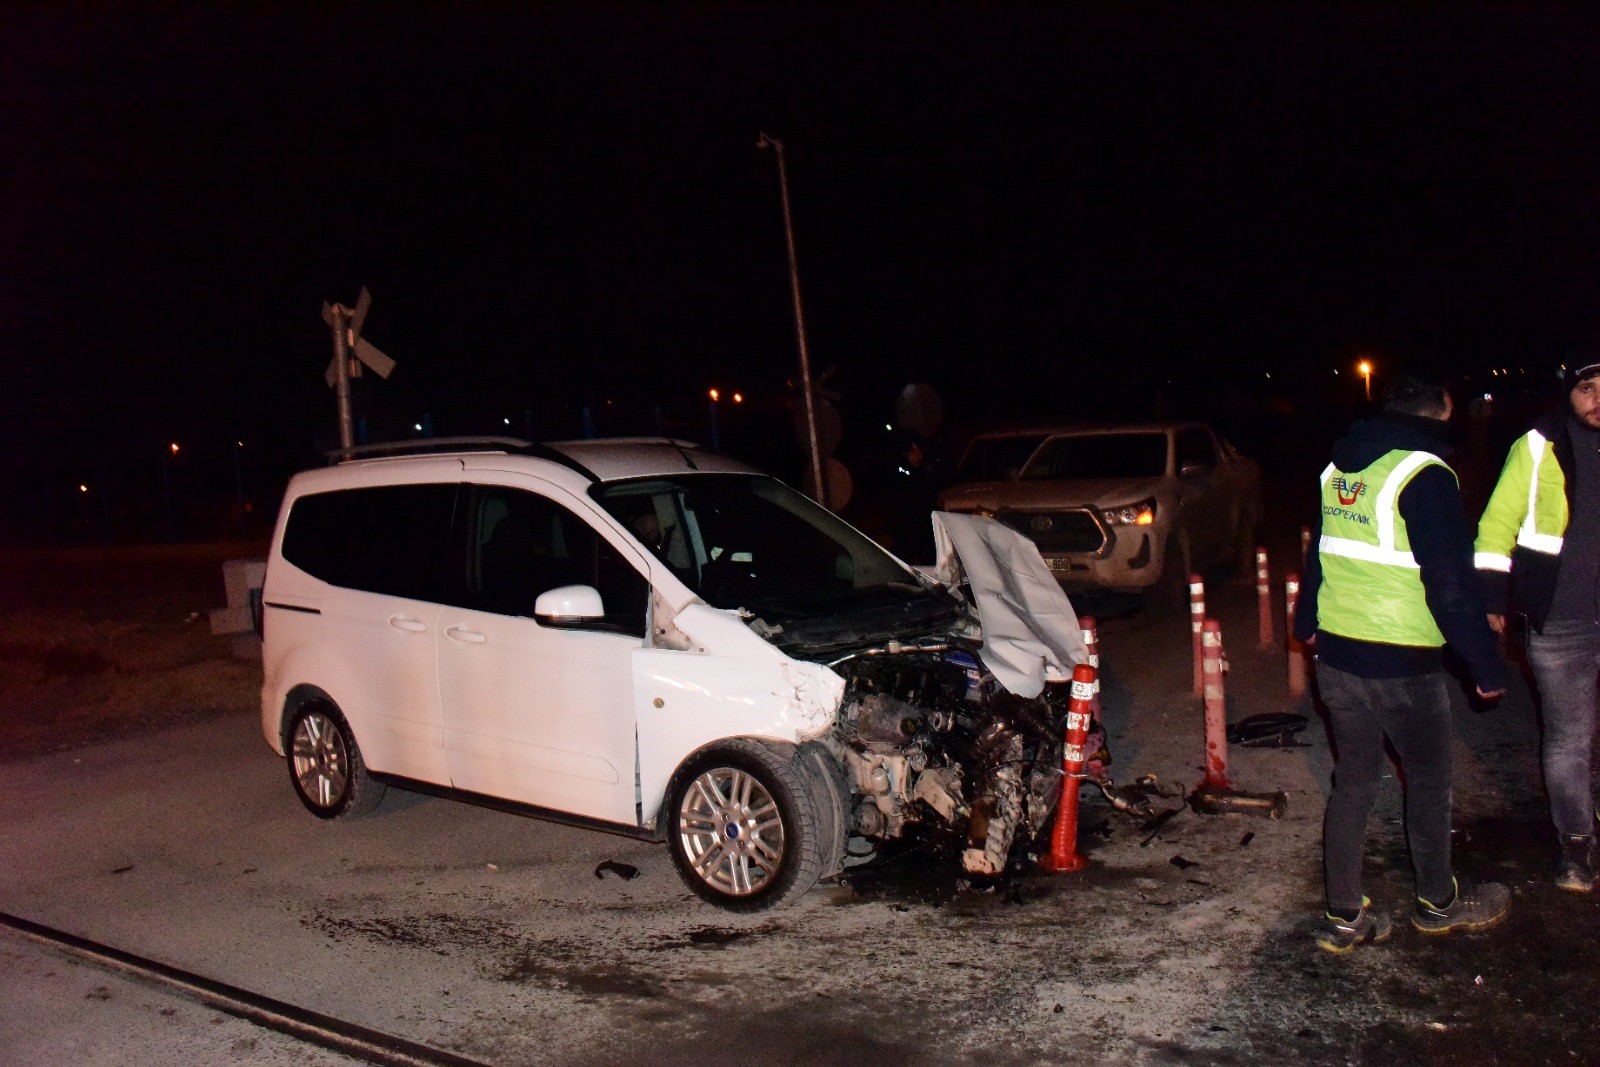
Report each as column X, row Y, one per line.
column 1371, row 584
column 1528, row 508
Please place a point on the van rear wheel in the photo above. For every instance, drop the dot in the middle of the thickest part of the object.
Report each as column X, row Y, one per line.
column 326, row 767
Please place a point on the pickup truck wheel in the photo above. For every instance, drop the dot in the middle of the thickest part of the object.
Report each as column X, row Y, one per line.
column 1170, row 593
column 326, row 767
column 1244, row 545
column 744, row 826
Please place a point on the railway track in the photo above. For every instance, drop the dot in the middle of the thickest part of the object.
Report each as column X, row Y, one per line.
column 350, row 1039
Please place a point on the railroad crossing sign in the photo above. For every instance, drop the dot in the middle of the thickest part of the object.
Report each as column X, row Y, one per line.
column 350, row 352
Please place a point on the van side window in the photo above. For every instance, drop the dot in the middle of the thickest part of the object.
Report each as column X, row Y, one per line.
column 391, row 539
column 523, row 544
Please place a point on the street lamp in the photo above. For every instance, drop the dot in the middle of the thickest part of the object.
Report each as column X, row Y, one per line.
column 799, row 321
column 1365, row 370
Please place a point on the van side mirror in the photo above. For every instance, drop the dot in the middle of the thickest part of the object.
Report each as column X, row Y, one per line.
column 569, row 605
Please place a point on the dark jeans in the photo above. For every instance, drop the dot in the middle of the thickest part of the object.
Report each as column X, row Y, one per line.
column 1414, row 713
column 1566, row 661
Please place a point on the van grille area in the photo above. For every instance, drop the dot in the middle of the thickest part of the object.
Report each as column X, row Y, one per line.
column 1057, row 531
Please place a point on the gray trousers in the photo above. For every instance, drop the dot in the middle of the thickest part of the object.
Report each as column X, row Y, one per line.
column 1566, row 661
column 1414, row 714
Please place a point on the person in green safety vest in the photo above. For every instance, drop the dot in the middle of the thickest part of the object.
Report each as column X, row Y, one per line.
column 1539, row 555
column 1388, row 583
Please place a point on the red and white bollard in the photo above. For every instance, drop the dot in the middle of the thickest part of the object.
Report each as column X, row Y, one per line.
column 1063, row 855
column 1296, row 649
column 1264, row 596
column 1091, row 642
column 1216, row 711
column 1197, row 615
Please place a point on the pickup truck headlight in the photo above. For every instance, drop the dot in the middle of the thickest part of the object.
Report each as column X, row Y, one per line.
column 1141, row 514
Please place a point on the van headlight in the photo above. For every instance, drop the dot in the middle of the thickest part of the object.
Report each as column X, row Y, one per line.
column 1141, row 514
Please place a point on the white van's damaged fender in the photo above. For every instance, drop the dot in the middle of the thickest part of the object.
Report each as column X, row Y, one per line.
column 741, row 686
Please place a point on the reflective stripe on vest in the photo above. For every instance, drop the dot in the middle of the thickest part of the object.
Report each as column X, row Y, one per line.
column 1371, row 583
column 1529, row 536
column 1385, row 512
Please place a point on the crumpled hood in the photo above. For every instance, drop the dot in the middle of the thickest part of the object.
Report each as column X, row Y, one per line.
column 1030, row 631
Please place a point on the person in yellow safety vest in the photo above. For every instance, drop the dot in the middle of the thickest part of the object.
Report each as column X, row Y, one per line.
column 1538, row 551
column 1388, row 582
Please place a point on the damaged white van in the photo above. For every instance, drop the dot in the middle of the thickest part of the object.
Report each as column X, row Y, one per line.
column 642, row 637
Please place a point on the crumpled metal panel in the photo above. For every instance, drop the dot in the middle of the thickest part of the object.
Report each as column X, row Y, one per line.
column 1030, row 631
column 743, row 688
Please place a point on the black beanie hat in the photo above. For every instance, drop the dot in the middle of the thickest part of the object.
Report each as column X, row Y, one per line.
column 1578, row 371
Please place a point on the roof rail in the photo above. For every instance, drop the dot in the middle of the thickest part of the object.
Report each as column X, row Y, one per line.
column 427, row 445
column 637, row 439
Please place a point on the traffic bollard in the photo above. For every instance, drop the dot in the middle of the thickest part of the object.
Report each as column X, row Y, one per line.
column 1264, row 597
column 1197, row 615
column 1296, row 649
column 1091, row 642
column 1216, row 710
column 1216, row 795
column 1063, row 855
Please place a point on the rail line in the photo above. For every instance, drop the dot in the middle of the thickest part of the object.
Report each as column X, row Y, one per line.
column 351, row 1039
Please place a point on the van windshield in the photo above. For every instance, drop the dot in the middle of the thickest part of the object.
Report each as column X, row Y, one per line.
column 749, row 541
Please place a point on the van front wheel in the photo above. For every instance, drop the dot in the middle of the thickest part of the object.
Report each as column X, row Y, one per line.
column 744, row 826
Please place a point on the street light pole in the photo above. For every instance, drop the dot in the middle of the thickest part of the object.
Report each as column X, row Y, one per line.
column 799, row 322
column 1366, row 376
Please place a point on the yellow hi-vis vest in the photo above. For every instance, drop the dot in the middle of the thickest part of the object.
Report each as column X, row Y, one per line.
column 1371, row 585
column 1528, row 508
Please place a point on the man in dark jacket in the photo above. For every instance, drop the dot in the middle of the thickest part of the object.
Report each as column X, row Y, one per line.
column 1539, row 555
column 1388, row 582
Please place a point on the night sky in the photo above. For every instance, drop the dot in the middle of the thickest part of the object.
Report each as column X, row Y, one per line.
column 1028, row 209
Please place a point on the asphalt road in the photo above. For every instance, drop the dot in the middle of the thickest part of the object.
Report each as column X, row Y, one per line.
column 494, row 936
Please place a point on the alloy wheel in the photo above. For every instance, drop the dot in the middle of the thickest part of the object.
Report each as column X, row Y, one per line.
column 731, row 830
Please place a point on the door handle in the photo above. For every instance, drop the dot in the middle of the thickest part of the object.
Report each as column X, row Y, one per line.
column 406, row 622
column 472, row 637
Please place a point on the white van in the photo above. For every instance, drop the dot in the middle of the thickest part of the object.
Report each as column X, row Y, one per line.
column 649, row 639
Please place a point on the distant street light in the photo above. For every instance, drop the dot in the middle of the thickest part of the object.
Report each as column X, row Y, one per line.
column 799, row 321
column 1365, row 370
column 166, row 485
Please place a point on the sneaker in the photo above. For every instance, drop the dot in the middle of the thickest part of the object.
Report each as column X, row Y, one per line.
column 1576, row 871
column 1476, row 906
column 1342, row 935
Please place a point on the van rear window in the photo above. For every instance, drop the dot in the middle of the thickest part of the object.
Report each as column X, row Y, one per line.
column 391, row 539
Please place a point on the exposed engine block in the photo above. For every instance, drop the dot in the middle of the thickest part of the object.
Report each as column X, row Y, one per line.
column 929, row 738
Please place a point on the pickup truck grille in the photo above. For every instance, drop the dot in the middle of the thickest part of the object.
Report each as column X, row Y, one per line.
column 1058, row 531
